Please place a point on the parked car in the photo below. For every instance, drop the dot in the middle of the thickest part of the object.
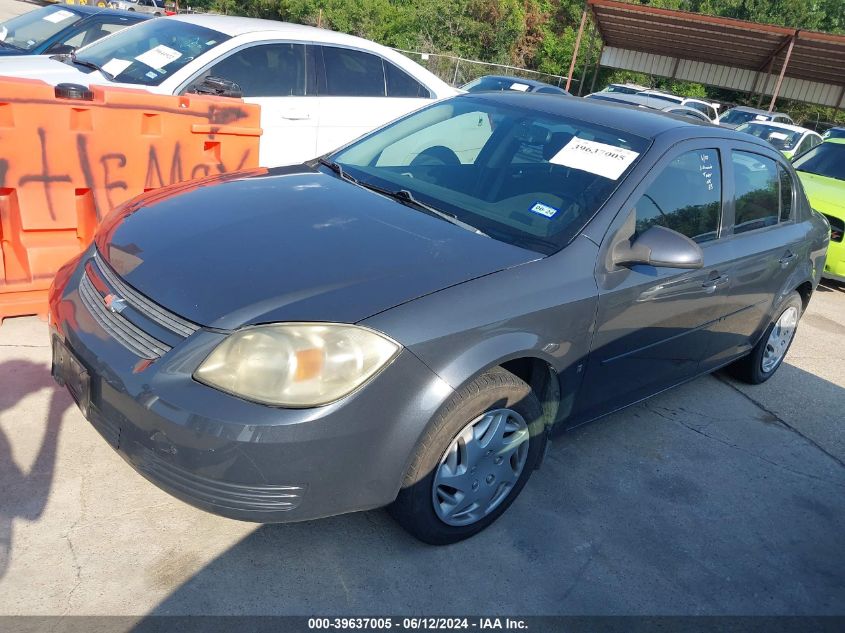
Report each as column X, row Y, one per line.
column 152, row 7
column 822, row 172
column 790, row 139
column 643, row 102
column 659, row 101
column 382, row 326
column 317, row 89
column 495, row 83
column 707, row 108
column 628, row 89
column 834, row 132
column 735, row 117
column 60, row 29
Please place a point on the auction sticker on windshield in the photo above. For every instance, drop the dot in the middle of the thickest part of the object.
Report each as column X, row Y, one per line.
column 159, row 57
column 58, row 16
column 116, row 66
column 601, row 159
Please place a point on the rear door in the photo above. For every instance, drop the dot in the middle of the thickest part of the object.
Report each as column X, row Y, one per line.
column 767, row 241
column 651, row 326
column 278, row 76
column 360, row 91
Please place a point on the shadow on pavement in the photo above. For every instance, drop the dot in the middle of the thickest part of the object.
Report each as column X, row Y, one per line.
column 677, row 506
column 23, row 495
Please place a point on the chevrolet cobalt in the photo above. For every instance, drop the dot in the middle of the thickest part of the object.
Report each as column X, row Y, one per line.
column 405, row 321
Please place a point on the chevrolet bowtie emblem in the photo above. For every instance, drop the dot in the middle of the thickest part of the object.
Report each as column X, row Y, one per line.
column 114, row 303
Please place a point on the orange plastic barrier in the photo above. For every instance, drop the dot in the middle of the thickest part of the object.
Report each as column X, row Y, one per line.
column 65, row 163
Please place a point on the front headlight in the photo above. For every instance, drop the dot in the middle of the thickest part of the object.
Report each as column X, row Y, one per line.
column 296, row 364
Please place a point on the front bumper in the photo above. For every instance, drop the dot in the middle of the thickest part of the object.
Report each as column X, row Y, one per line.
column 236, row 458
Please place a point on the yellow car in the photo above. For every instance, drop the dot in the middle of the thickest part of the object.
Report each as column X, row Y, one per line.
column 822, row 172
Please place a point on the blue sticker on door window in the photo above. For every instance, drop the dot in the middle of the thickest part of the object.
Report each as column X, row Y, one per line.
column 543, row 209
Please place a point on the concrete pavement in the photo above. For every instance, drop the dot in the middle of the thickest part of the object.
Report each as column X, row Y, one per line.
column 11, row 8
column 714, row 498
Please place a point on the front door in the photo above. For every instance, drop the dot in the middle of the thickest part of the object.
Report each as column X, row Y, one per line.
column 651, row 326
column 280, row 78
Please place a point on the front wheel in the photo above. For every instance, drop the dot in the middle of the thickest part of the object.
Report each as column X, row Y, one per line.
column 771, row 349
column 473, row 461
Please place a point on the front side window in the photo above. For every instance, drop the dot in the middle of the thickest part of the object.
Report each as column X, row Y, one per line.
column 27, row 31
column 351, row 73
column 757, row 191
column 521, row 176
column 686, row 197
column 269, row 70
column 150, row 51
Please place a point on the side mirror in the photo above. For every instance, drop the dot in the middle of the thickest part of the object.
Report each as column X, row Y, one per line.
column 659, row 247
column 217, row 86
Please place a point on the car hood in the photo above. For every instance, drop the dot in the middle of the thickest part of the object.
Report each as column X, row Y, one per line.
column 289, row 244
column 46, row 69
column 825, row 194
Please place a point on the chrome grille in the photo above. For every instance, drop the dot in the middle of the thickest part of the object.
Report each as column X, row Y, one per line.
column 127, row 334
column 152, row 311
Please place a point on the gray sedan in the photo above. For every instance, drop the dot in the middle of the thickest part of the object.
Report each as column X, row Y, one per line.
column 406, row 321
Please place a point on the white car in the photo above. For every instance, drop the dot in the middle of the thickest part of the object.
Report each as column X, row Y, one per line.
column 655, row 97
column 792, row 140
column 153, row 7
column 317, row 89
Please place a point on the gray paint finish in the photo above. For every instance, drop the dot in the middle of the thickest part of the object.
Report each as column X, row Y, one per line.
column 459, row 303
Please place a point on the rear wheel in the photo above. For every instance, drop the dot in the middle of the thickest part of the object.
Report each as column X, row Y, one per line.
column 474, row 460
column 768, row 354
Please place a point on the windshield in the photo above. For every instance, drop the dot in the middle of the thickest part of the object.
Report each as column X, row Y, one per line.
column 151, row 51
column 735, row 117
column 827, row 159
column 27, row 31
column 519, row 175
column 781, row 138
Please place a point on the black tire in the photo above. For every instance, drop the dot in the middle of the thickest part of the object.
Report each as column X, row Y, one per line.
column 750, row 368
column 495, row 389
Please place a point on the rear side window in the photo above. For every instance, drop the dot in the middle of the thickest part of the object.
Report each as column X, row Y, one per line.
column 686, row 197
column 351, row 73
column 269, row 70
column 401, row 84
column 757, row 191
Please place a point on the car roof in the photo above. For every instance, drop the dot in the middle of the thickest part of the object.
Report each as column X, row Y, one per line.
column 522, row 80
column 759, row 111
column 234, row 26
column 783, row 126
column 838, row 141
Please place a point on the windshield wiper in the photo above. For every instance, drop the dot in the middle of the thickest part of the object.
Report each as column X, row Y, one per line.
column 406, row 197
column 402, row 195
column 92, row 65
column 336, row 168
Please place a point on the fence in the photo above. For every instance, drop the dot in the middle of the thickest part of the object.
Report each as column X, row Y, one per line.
column 457, row 70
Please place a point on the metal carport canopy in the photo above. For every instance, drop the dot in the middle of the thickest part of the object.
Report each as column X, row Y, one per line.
column 724, row 52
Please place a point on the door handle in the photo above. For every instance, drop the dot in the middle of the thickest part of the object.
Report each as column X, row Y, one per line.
column 713, row 283
column 788, row 257
column 296, row 115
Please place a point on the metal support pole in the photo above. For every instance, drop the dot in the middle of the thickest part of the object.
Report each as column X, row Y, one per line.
column 577, row 46
column 782, row 72
column 596, row 69
column 765, row 83
column 455, row 79
column 838, row 103
column 675, row 67
column 587, row 59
